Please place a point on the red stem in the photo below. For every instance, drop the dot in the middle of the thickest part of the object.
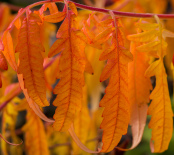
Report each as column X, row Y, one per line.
column 118, row 13
column 124, row 14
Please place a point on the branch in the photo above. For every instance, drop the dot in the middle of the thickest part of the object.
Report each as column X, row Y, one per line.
column 124, row 14
column 61, row 144
column 118, row 13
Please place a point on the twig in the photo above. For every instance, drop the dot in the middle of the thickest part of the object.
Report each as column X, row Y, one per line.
column 62, row 144
column 94, row 139
column 17, row 132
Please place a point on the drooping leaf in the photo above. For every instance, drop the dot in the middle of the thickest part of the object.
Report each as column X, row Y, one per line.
column 160, row 107
column 3, row 62
column 9, row 50
column 139, row 85
column 139, row 91
column 71, row 70
column 116, row 114
column 31, row 103
column 30, row 59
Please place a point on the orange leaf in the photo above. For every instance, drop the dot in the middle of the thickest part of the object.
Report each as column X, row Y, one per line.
column 139, row 91
column 32, row 104
column 71, row 73
column 17, row 23
column 30, row 59
column 116, row 113
column 0, row 80
column 8, row 50
column 73, row 7
column 51, row 6
column 55, row 18
column 3, row 62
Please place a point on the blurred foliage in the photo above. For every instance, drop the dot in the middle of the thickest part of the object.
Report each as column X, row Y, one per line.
column 94, row 88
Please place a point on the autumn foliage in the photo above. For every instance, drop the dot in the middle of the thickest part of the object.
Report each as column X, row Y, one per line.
column 126, row 54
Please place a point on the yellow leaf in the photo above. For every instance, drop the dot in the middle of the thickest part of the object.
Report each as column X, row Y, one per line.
column 94, row 86
column 52, row 72
column 47, row 31
column 160, row 109
column 82, row 124
column 56, row 138
column 144, row 36
column 35, row 137
column 146, row 26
